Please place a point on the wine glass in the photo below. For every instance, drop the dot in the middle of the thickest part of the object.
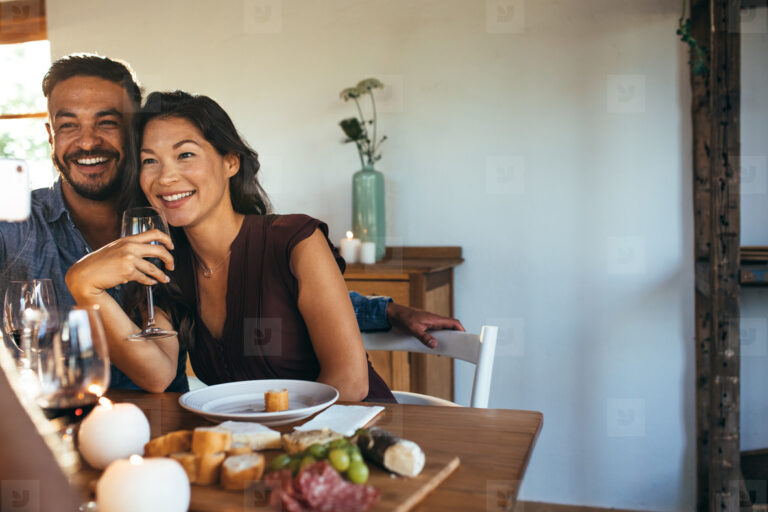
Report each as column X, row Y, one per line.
column 30, row 317
column 135, row 221
column 74, row 370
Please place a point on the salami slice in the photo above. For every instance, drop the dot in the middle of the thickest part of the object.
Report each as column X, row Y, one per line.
column 318, row 488
column 326, row 491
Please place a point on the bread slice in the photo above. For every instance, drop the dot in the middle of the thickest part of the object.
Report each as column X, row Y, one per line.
column 298, row 441
column 239, row 471
column 207, row 440
column 188, row 462
column 255, row 435
column 239, row 449
column 276, row 400
column 208, row 468
column 178, row 441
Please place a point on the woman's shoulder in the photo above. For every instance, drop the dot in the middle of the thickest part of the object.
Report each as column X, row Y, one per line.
column 284, row 232
column 288, row 226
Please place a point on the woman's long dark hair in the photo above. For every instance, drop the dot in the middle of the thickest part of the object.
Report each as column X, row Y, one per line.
column 247, row 195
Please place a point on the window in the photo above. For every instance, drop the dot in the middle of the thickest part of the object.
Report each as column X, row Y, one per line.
column 24, row 59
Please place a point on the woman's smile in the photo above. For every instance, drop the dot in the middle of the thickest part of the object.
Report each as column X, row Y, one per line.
column 175, row 199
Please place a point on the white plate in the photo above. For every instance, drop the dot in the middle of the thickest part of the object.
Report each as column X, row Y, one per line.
column 244, row 400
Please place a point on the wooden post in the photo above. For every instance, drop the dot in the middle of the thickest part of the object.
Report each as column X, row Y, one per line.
column 724, row 449
column 702, row 203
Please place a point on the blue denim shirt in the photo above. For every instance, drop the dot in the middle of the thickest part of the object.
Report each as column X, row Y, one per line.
column 48, row 243
column 45, row 246
column 371, row 312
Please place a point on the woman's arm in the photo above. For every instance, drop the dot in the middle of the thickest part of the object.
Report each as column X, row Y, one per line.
column 151, row 364
column 324, row 303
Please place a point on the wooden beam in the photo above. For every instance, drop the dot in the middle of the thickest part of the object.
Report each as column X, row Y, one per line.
column 23, row 116
column 22, row 21
column 702, row 220
column 724, row 85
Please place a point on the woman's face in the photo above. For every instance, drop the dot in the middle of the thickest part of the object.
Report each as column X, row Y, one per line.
column 182, row 174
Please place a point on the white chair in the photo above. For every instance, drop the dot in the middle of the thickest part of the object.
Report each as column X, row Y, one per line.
column 473, row 348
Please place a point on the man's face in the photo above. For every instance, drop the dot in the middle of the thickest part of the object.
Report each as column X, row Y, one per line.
column 87, row 128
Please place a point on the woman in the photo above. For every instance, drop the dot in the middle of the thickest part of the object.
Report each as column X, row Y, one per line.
column 262, row 296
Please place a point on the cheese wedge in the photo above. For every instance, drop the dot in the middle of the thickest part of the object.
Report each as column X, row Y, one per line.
column 255, row 435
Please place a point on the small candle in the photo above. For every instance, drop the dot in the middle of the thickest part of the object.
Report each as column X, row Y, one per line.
column 349, row 248
column 368, row 252
column 111, row 432
column 149, row 485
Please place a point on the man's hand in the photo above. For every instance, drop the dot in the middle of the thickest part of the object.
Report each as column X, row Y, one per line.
column 416, row 322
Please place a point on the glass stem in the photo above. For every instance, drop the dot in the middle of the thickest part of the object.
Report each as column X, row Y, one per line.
column 150, row 308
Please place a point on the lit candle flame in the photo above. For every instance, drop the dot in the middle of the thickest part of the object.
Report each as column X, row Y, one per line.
column 136, row 460
column 349, row 235
column 95, row 389
column 105, row 402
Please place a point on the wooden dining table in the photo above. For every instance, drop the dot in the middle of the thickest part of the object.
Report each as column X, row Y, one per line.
column 493, row 446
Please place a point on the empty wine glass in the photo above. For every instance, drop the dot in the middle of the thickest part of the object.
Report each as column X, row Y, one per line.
column 30, row 317
column 135, row 221
column 74, row 370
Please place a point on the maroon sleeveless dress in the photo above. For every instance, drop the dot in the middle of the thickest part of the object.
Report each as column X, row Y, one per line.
column 264, row 334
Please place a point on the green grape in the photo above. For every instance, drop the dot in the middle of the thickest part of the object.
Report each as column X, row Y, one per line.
column 306, row 461
column 318, row 451
column 339, row 459
column 354, row 452
column 358, row 472
column 280, row 461
column 294, row 465
column 338, row 443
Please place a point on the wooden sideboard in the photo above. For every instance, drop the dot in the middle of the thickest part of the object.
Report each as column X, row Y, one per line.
column 419, row 277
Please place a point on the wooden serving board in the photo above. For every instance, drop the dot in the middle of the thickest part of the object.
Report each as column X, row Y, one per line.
column 398, row 494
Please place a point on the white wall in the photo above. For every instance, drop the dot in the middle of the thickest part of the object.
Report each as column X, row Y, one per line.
column 547, row 143
column 754, row 225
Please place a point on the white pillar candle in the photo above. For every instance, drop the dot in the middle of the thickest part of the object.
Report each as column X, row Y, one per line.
column 368, row 252
column 149, row 485
column 349, row 248
column 111, row 432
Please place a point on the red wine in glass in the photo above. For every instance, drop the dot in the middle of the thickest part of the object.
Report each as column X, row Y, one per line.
column 70, row 405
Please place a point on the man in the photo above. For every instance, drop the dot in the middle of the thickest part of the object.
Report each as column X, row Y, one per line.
column 91, row 101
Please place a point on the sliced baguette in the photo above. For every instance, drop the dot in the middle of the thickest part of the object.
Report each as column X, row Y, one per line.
column 207, row 440
column 188, row 462
column 239, row 471
column 239, row 449
column 276, row 400
column 298, row 441
column 208, row 468
column 178, row 441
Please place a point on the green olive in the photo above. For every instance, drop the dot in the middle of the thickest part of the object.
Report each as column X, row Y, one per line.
column 355, row 456
column 318, row 451
column 339, row 459
column 280, row 461
column 358, row 472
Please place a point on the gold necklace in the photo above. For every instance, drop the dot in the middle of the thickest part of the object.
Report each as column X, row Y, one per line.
column 208, row 272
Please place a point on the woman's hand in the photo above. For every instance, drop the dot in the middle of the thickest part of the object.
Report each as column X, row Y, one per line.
column 120, row 262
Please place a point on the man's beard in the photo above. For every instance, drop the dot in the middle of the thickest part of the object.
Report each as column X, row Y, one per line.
column 92, row 191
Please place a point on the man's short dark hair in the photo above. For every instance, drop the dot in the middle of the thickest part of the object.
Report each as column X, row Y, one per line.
column 86, row 64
